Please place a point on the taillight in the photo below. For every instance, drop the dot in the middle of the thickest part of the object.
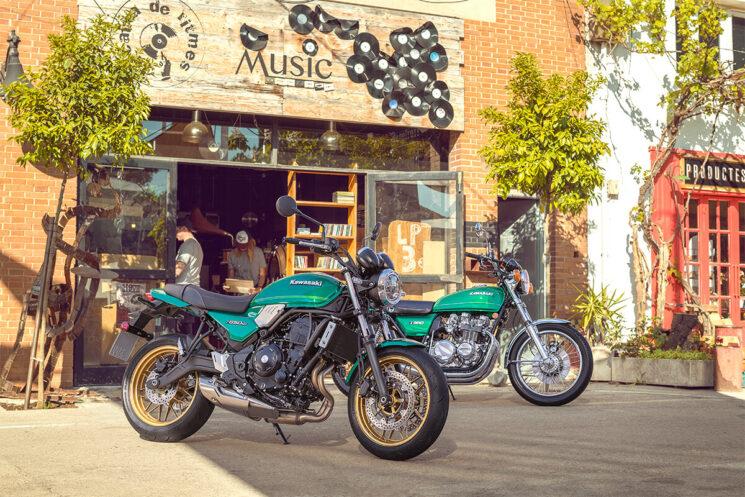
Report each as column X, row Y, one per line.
column 149, row 297
column 124, row 326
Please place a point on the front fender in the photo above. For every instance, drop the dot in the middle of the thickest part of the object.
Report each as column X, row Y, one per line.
column 524, row 329
column 400, row 342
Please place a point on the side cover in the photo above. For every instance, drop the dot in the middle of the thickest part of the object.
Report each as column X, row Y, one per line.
column 477, row 299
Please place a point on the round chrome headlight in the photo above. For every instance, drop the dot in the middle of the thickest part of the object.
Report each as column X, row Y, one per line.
column 389, row 288
column 524, row 282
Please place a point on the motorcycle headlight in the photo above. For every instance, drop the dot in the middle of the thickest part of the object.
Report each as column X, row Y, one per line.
column 388, row 290
column 525, row 286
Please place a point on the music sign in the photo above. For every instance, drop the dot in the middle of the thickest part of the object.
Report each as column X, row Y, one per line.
column 714, row 173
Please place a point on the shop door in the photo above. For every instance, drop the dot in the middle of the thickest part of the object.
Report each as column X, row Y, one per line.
column 139, row 244
column 715, row 246
column 422, row 217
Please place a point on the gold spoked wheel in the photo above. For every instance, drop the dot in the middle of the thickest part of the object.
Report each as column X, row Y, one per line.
column 162, row 406
column 401, row 420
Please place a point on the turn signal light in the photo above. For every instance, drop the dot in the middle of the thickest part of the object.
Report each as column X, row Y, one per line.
column 517, row 275
column 149, row 297
column 531, row 289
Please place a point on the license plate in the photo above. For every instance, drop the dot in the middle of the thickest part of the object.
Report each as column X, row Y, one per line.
column 123, row 346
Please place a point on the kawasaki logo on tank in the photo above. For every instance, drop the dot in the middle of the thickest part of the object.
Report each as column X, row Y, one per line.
column 306, row 282
column 481, row 293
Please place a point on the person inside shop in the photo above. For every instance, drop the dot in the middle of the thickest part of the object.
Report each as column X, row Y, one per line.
column 247, row 261
column 190, row 256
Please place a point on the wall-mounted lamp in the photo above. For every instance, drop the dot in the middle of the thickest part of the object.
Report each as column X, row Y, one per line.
column 195, row 131
column 11, row 70
column 330, row 138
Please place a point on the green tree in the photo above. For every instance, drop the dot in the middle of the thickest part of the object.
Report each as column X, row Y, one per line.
column 86, row 100
column 544, row 143
column 703, row 86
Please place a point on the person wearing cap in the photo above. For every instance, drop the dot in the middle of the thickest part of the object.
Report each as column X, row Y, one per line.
column 190, row 256
column 247, row 261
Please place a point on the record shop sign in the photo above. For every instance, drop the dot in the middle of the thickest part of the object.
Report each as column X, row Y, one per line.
column 714, row 173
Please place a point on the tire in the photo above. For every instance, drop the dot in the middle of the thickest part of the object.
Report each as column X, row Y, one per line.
column 189, row 407
column 561, row 382
column 339, row 375
column 418, row 413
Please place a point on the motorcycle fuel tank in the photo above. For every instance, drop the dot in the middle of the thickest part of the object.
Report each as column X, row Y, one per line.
column 302, row 290
column 477, row 299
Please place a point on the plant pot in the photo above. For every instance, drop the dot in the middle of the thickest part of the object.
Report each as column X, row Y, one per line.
column 601, row 357
column 728, row 359
column 668, row 372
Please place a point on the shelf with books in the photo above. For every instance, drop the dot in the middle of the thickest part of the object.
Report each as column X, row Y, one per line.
column 343, row 229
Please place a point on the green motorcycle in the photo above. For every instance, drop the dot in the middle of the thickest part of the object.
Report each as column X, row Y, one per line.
column 277, row 347
column 548, row 361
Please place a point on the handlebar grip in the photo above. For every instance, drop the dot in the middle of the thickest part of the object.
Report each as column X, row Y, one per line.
column 473, row 256
column 294, row 241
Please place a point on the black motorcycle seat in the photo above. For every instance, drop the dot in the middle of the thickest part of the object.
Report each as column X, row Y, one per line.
column 209, row 300
column 412, row 307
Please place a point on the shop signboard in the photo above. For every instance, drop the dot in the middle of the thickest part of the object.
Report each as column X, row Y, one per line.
column 715, row 173
column 317, row 60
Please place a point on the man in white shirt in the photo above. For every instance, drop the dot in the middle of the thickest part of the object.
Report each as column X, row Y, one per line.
column 190, row 256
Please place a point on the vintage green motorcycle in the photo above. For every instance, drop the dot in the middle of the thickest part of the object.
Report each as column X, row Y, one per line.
column 548, row 361
column 278, row 346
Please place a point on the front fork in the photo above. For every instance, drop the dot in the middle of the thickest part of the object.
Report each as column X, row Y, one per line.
column 368, row 342
column 529, row 325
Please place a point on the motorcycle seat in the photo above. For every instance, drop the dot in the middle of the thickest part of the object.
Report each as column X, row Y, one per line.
column 412, row 308
column 210, row 301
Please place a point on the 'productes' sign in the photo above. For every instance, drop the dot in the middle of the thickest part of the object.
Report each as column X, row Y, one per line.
column 714, row 173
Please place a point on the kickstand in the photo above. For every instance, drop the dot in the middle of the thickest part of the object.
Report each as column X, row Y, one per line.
column 281, row 433
column 451, row 392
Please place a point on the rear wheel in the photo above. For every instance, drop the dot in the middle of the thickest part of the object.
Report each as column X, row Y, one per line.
column 418, row 410
column 165, row 414
column 561, row 378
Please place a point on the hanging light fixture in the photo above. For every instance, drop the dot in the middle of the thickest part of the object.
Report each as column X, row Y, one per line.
column 11, row 70
column 330, row 139
column 195, row 131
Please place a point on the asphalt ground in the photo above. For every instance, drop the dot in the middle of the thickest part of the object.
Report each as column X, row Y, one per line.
column 615, row 440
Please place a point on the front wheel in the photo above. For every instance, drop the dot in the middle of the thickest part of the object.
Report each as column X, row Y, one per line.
column 562, row 377
column 418, row 409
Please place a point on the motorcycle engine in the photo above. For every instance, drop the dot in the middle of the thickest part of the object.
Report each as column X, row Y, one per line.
column 462, row 341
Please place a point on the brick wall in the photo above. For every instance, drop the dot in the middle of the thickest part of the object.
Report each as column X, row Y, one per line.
column 26, row 194
column 545, row 29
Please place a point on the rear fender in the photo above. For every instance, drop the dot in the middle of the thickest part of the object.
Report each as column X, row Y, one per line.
column 163, row 305
column 398, row 342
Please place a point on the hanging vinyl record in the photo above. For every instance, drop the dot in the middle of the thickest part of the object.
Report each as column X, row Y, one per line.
column 302, row 19
column 400, row 59
column 380, row 84
column 366, row 45
column 393, row 104
column 441, row 113
column 415, row 103
column 324, row 22
column 359, row 69
column 438, row 90
column 347, row 30
column 426, row 35
column 385, row 62
column 402, row 78
column 422, row 75
column 402, row 38
column 310, row 47
column 437, row 58
column 252, row 38
column 414, row 56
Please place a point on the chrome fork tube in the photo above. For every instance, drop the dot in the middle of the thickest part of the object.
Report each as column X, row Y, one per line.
column 368, row 341
column 530, row 327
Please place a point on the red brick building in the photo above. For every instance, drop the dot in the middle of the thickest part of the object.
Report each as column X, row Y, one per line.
column 263, row 118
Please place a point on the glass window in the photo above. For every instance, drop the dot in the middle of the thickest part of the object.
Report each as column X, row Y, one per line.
column 741, row 208
column 136, row 237
column 693, row 214
column 738, row 42
column 693, row 278
column 712, row 214
column 723, row 220
column 693, row 247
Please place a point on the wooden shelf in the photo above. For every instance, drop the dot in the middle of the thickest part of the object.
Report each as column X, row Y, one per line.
column 316, row 270
column 311, row 203
column 318, row 237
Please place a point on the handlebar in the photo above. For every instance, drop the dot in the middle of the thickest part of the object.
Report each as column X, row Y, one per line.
column 324, row 247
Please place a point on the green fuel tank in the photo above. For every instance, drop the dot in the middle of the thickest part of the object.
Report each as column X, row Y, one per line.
column 477, row 299
column 300, row 290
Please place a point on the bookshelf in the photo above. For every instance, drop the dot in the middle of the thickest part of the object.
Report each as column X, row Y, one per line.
column 302, row 260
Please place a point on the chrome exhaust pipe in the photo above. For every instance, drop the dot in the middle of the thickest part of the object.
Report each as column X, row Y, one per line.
column 471, row 377
column 235, row 402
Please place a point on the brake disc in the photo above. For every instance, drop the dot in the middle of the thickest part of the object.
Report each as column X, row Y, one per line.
column 161, row 396
column 401, row 408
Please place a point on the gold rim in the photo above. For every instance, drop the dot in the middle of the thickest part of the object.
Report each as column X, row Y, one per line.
column 400, row 421
column 174, row 405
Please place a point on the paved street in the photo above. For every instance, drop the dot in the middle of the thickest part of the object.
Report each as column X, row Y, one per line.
column 615, row 440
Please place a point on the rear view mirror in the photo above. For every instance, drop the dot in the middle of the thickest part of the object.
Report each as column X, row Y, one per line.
column 376, row 231
column 286, row 206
